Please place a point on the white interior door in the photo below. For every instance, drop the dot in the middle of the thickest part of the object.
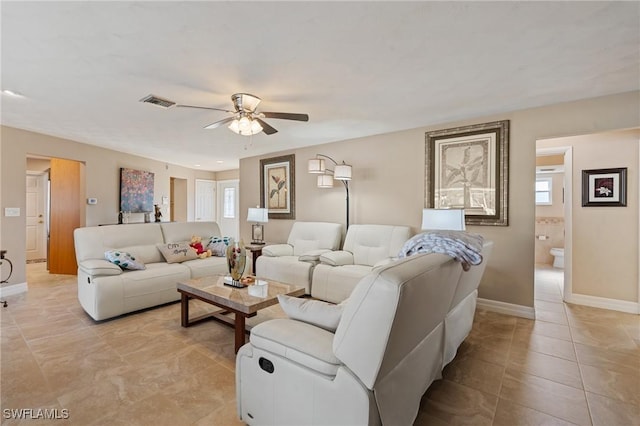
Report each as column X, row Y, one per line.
column 35, row 215
column 205, row 200
column 229, row 208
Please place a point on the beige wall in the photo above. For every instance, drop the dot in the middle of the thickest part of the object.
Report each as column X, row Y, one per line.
column 605, row 239
column 388, row 183
column 102, row 182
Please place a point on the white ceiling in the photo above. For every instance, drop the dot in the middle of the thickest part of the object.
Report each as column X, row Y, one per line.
column 357, row 68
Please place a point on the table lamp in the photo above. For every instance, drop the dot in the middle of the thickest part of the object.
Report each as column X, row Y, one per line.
column 259, row 216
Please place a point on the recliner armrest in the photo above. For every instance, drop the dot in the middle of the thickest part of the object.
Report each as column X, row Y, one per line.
column 337, row 258
column 276, row 250
column 312, row 256
column 96, row 267
column 303, row 343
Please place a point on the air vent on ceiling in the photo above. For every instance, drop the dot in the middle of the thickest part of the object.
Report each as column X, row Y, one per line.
column 155, row 100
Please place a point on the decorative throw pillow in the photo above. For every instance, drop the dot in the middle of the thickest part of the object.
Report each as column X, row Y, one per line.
column 316, row 312
column 123, row 259
column 218, row 246
column 177, row 252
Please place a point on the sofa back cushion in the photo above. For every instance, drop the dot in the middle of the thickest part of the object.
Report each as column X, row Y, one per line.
column 391, row 333
column 373, row 243
column 308, row 236
column 391, row 310
column 176, row 232
column 139, row 239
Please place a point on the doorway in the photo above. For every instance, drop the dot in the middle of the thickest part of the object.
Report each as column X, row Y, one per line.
column 178, row 199
column 229, row 208
column 37, row 215
column 205, row 200
column 547, row 226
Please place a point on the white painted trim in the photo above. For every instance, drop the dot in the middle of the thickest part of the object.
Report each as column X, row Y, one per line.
column 10, row 290
column 567, row 288
column 604, row 303
column 506, row 308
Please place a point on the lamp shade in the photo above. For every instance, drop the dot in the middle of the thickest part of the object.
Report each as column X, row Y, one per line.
column 316, row 165
column 258, row 215
column 245, row 126
column 342, row 172
column 449, row 219
column 325, row 181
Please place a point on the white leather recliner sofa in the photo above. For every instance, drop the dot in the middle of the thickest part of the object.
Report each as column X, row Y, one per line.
column 106, row 291
column 401, row 325
column 293, row 262
column 365, row 247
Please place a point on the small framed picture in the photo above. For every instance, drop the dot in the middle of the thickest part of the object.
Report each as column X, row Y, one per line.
column 604, row 187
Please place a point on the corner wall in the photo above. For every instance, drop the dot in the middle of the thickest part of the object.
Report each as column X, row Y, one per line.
column 388, row 183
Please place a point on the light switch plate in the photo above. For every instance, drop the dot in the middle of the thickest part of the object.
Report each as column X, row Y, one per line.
column 12, row 211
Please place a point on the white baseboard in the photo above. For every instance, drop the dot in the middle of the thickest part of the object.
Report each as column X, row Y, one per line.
column 506, row 308
column 10, row 290
column 604, row 303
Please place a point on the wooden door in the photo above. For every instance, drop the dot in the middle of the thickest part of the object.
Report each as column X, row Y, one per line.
column 65, row 215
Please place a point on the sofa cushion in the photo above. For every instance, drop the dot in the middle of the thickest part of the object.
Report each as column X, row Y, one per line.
column 177, row 252
column 315, row 312
column 123, row 259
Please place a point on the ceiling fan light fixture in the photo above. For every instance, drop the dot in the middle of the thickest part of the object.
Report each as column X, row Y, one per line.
column 245, row 126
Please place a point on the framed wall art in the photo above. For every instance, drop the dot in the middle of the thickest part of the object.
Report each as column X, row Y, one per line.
column 604, row 187
column 277, row 183
column 468, row 167
column 136, row 191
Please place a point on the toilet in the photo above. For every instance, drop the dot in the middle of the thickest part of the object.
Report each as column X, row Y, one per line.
column 558, row 257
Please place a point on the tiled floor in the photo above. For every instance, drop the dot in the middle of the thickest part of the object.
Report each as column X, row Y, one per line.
column 573, row 365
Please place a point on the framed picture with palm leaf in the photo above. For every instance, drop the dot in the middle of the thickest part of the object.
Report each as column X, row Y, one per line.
column 277, row 183
column 468, row 167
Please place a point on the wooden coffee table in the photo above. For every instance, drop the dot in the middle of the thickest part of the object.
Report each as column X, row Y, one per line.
column 210, row 289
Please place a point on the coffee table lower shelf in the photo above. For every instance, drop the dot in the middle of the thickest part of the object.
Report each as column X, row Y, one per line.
column 238, row 322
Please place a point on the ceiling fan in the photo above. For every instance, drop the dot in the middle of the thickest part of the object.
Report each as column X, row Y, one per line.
column 245, row 119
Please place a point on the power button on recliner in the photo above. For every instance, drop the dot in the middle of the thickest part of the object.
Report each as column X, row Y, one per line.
column 266, row 365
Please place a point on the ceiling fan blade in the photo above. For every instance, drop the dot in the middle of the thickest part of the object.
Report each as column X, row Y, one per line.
column 219, row 123
column 286, row 116
column 265, row 127
column 201, row 107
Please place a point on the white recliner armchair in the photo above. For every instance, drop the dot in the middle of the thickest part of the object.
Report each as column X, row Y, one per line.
column 293, row 262
column 365, row 247
column 387, row 349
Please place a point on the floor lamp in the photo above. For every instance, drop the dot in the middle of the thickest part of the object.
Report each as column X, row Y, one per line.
column 341, row 172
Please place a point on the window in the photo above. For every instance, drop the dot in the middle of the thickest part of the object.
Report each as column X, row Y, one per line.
column 229, row 203
column 543, row 191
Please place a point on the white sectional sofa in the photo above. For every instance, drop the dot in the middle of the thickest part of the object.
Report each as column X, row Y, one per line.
column 106, row 291
column 365, row 247
column 293, row 262
column 403, row 322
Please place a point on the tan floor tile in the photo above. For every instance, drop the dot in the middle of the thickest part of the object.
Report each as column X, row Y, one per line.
column 604, row 336
column 555, row 399
column 622, row 386
column 224, row 416
column 609, row 359
column 609, row 412
column 526, row 339
column 510, row 414
column 494, row 350
column 475, row 373
column 549, row 297
column 543, row 328
column 457, row 404
column 549, row 306
column 546, row 366
column 157, row 410
column 553, row 317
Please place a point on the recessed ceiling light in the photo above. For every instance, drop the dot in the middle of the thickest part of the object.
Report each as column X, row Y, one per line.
column 196, row 165
column 219, row 161
column 12, row 93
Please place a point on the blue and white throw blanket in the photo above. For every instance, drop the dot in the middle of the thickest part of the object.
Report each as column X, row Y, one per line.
column 465, row 247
